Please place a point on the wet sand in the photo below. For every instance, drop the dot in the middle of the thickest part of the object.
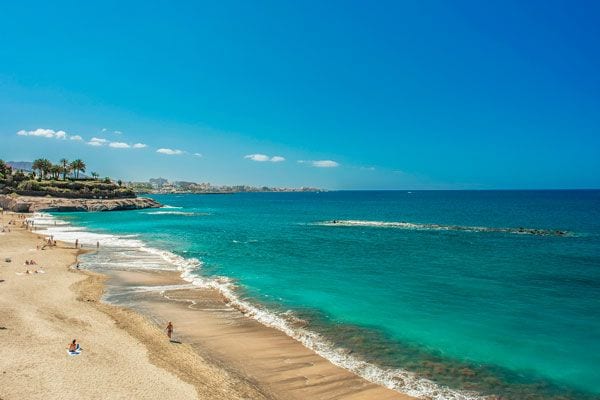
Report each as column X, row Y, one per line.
column 277, row 364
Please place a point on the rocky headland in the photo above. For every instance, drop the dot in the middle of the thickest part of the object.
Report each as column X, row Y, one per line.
column 29, row 204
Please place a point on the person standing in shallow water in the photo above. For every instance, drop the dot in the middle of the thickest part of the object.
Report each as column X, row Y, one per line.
column 169, row 329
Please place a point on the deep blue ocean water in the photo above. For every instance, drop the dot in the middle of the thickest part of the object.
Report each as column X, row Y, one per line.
column 509, row 312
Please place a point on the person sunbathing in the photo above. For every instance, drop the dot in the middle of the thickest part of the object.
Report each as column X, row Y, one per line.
column 74, row 346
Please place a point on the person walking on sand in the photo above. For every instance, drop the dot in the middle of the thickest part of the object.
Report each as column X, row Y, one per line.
column 97, row 245
column 76, row 243
column 169, row 330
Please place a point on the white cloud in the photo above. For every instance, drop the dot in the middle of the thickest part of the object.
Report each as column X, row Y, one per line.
column 139, row 146
column 119, row 145
column 97, row 141
column 325, row 164
column 264, row 158
column 257, row 157
column 105, row 130
column 75, row 137
column 38, row 132
column 198, row 154
column 41, row 132
column 170, row 152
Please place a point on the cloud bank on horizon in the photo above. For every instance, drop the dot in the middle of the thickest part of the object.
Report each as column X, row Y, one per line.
column 103, row 142
column 94, row 141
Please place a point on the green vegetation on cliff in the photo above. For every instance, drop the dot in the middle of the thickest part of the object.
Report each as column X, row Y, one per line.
column 59, row 180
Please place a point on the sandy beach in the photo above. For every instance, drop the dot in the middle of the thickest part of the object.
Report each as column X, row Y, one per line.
column 217, row 352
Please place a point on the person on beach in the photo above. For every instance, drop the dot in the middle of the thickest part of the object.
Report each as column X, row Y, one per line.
column 169, row 329
column 73, row 346
column 97, row 245
column 76, row 243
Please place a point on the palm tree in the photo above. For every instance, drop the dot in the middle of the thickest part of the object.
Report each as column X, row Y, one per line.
column 56, row 170
column 46, row 167
column 78, row 166
column 95, row 175
column 65, row 167
column 42, row 165
column 37, row 165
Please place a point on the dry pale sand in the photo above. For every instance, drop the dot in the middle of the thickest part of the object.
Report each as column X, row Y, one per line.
column 223, row 354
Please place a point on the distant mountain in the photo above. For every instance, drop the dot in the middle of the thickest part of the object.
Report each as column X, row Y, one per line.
column 21, row 165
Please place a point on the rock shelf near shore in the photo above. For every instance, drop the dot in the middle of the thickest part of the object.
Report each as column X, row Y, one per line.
column 29, row 204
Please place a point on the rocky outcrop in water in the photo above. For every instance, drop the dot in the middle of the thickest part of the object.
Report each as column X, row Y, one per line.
column 28, row 204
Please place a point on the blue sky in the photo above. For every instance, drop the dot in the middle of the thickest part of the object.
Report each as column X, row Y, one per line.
column 352, row 95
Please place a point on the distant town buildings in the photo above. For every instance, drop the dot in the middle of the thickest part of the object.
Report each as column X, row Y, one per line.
column 163, row 186
column 157, row 183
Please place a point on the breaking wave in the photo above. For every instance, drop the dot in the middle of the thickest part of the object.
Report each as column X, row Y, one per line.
column 184, row 213
column 437, row 227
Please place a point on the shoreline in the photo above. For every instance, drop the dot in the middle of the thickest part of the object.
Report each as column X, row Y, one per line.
column 278, row 365
column 283, row 367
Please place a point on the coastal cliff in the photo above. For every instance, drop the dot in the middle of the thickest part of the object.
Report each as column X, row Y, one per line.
column 29, row 204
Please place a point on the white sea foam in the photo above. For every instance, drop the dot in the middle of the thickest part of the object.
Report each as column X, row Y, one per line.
column 142, row 256
column 437, row 227
column 47, row 225
column 143, row 289
column 185, row 213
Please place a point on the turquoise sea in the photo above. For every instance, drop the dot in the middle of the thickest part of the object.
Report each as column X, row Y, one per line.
column 488, row 292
